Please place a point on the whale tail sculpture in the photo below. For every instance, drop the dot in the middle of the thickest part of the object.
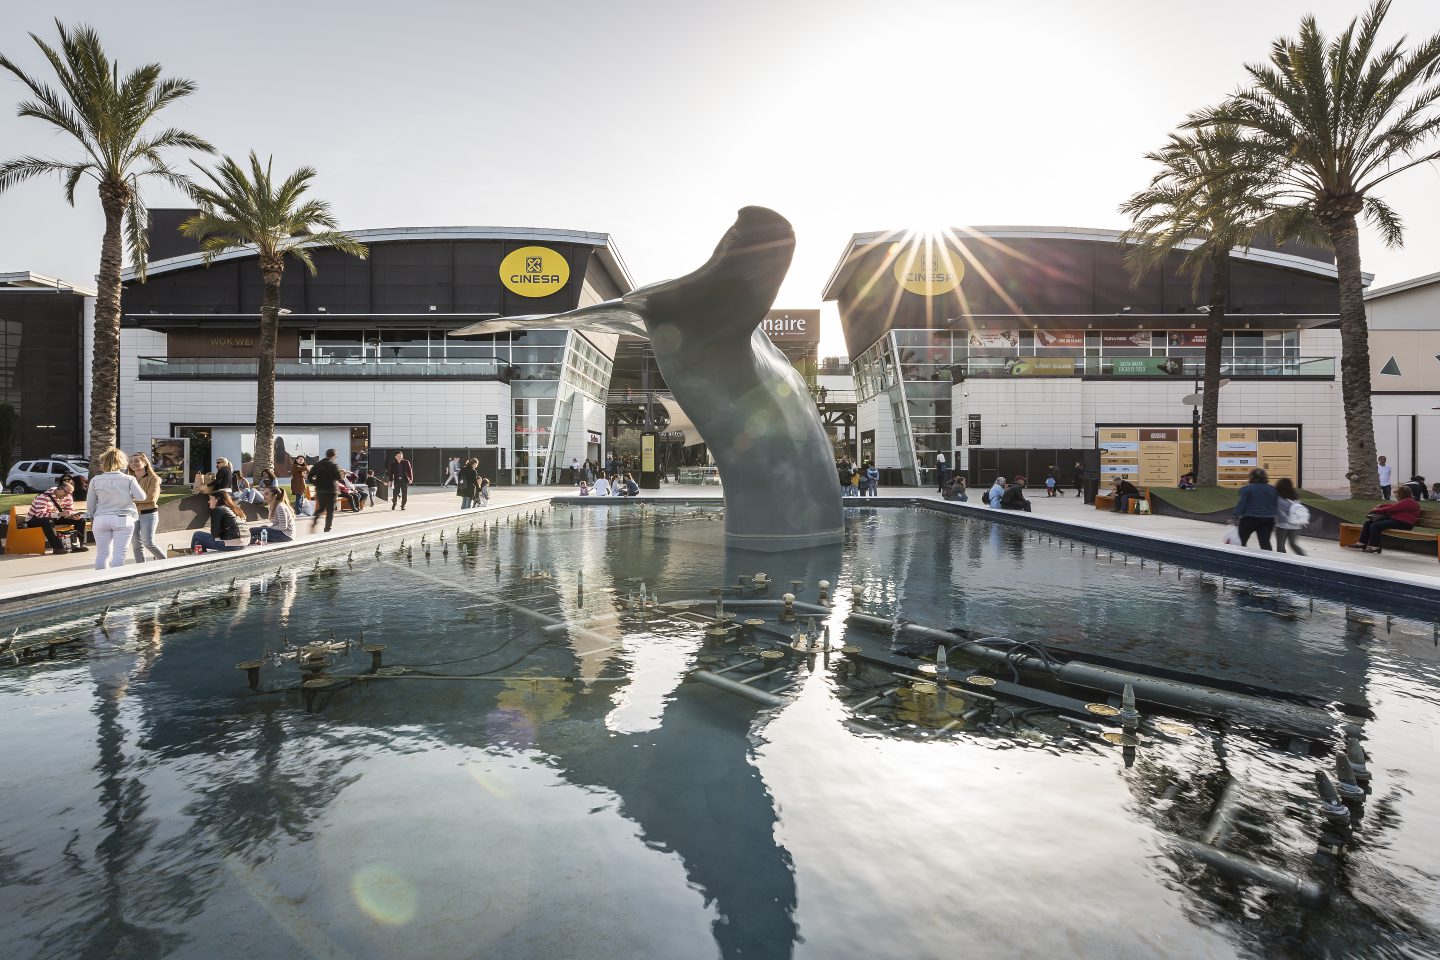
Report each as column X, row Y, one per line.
column 747, row 402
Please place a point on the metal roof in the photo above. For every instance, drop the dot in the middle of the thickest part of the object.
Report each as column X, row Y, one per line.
column 609, row 256
column 27, row 280
column 860, row 241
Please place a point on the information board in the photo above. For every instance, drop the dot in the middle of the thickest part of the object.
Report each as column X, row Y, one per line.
column 1159, row 456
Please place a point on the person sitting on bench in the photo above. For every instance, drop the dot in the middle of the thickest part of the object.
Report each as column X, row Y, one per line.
column 57, row 505
column 1125, row 491
column 1402, row 514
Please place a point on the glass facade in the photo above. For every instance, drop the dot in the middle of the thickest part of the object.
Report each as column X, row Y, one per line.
column 912, row 370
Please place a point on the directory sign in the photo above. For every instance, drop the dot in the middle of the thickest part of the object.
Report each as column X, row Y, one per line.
column 1159, row 456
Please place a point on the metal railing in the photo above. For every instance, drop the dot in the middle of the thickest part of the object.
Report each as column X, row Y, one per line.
column 1123, row 368
column 241, row 368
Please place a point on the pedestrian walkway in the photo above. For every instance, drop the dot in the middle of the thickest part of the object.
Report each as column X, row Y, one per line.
column 26, row 574
column 1072, row 509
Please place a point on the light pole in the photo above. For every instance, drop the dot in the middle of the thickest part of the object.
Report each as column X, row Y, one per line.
column 1193, row 401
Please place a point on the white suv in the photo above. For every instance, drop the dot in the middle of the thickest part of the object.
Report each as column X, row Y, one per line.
column 33, row 476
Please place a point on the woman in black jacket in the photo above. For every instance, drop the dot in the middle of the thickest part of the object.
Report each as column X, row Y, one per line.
column 467, row 487
column 227, row 530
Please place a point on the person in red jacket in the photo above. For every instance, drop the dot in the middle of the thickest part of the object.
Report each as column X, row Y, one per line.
column 1400, row 515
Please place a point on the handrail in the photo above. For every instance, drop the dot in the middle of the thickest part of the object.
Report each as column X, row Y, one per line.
column 241, row 368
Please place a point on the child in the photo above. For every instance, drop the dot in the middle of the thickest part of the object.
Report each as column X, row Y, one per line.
column 1050, row 485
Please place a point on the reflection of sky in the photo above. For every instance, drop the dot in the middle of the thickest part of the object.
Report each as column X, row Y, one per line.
column 635, row 815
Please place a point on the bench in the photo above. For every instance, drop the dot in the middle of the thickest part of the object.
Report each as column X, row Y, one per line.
column 20, row 539
column 1427, row 528
column 1104, row 501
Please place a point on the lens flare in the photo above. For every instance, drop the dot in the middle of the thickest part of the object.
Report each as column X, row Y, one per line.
column 384, row 896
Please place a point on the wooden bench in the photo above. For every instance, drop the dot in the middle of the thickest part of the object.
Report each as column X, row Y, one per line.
column 20, row 539
column 1104, row 501
column 1427, row 528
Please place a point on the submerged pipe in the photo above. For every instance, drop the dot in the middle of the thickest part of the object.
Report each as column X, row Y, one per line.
column 1309, row 893
column 733, row 686
column 1190, row 697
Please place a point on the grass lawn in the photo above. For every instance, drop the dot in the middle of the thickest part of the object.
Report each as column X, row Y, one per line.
column 23, row 500
column 1213, row 499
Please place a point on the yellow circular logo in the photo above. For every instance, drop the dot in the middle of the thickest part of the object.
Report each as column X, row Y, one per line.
column 928, row 268
column 534, row 272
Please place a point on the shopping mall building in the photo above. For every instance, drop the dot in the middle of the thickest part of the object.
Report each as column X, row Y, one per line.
column 1012, row 349
column 368, row 363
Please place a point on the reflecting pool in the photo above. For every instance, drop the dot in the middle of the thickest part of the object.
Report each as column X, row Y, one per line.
column 530, row 765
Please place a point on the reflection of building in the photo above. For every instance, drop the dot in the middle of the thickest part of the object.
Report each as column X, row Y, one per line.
column 366, row 361
column 1009, row 348
column 1404, row 323
column 43, row 328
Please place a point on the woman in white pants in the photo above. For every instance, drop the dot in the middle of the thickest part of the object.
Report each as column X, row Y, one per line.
column 111, row 503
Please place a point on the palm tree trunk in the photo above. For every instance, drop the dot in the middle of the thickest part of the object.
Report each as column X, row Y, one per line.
column 1206, row 471
column 105, row 351
column 271, row 273
column 1355, row 361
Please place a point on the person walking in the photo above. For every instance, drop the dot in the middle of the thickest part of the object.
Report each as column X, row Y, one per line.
column 1403, row 514
column 144, row 536
column 1079, row 479
column 482, row 489
column 1255, row 510
column 1383, row 469
column 1291, row 516
column 298, row 469
column 1051, row 482
column 872, row 480
column 325, row 476
column 281, row 528
column 227, row 531
column 452, row 473
column 467, row 486
column 400, row 475
column 111, row 503
column 57, row 505
column 942, row 475
column 574, row 471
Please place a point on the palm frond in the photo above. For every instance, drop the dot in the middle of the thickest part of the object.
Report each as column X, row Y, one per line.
column 25, row 168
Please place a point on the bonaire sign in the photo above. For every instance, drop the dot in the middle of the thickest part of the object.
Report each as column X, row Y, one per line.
column 534, row 272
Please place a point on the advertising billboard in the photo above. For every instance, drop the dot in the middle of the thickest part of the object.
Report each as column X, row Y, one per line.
column 1122, row 338
column 994, row 339
column 170, row 458
column 1055, row 339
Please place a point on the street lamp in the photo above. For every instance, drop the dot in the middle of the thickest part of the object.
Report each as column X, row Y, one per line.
column 1193, row 402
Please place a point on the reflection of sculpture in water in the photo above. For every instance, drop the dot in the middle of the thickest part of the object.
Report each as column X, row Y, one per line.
column 750, row 405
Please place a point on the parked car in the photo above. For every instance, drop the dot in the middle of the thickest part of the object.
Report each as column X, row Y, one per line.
column 33, row 476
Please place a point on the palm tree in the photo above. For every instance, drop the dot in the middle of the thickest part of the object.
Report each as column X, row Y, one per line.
column 240, row 210
column 1211, row 195
column 1340, row 117
column 107, row 117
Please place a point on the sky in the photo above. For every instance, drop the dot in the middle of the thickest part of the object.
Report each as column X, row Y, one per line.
column 655, row 121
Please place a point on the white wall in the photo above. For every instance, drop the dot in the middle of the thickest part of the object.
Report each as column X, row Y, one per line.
column 874, row 414
column 400, row 413
column 1031, row 413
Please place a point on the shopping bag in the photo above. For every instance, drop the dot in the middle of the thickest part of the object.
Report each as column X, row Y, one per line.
column 1299, row 514
column 1232, row 534
column 305, row 508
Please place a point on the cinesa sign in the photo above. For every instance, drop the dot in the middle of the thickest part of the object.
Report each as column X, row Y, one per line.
column 534, row 272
